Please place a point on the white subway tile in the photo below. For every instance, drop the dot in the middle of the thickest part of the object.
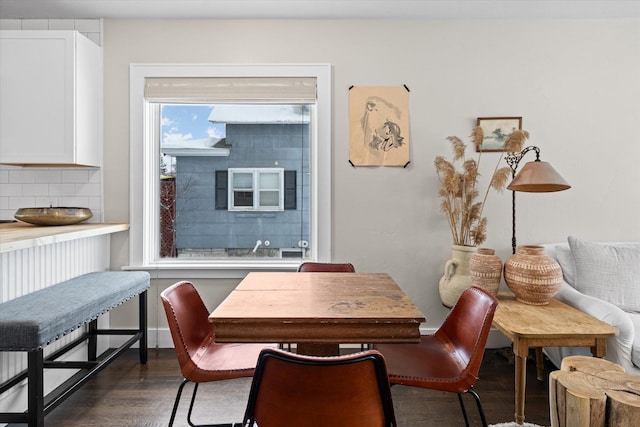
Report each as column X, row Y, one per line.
column 4, row 177
column 95, row 202
column 35, row 24
column 16, row 203
column 62, row 24
column 23, row 176
column 75, row 175
column 95, row 176
column 62, row 190
column 4, row 202
column 94, row 37
column 49, row 176
column 12, row 190
column 87, row 190
column 74, row 202
column 34, row 189
column 46, row 201
column 10, row 24
column 88, row 25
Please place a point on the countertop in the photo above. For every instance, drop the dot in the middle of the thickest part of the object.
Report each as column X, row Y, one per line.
column 19, row 235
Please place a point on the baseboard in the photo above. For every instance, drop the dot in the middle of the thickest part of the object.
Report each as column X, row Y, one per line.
column 161, row 338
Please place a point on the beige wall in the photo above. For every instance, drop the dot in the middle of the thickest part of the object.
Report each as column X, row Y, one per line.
column 575, row 83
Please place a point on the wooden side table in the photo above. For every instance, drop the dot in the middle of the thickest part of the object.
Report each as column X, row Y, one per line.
column 554, row 325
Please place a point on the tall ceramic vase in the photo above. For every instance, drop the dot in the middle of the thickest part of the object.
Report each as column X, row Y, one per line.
column 486, row 270
column 456, row 276
column 533, row 276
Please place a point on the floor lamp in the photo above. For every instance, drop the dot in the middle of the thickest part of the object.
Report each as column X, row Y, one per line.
column 535, row 177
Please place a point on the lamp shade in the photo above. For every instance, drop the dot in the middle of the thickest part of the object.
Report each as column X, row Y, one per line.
column 538, row 177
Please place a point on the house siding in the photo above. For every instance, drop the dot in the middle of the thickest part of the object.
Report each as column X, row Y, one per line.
column 201, row 226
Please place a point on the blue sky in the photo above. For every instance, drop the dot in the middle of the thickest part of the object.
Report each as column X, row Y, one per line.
column 184, row 122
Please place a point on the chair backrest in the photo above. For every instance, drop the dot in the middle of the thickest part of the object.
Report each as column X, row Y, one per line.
column 467, row 328
column 295, row 390
column 188, row 320
column 326, row 267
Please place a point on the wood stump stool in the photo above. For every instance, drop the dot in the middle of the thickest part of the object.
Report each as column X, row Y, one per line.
column 593, row 392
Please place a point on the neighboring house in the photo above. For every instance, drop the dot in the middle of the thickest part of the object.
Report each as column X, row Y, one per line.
column 251, row 186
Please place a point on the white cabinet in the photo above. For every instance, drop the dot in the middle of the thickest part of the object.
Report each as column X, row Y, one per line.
column 50, row 99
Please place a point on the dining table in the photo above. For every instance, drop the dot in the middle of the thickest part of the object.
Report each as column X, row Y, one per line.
column 317, row 311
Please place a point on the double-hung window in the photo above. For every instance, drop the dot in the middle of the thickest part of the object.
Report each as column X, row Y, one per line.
column 256, row 189
column 254, row 192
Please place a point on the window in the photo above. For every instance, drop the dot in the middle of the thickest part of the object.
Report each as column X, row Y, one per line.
column 256, row 189
column 231, row 203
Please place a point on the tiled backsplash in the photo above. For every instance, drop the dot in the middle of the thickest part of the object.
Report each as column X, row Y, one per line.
column 40, row 187
column 91, row 28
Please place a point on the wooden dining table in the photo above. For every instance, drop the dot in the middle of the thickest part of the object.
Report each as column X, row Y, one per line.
column 317, row 311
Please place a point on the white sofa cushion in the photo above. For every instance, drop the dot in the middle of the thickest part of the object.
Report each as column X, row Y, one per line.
column 565, row 259
column 608, row 272
column 635, row 349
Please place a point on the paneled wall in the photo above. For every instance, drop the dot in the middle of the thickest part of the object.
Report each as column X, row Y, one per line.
column 31, row 269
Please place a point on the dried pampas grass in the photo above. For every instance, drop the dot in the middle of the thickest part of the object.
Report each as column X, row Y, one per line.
column 458, row 190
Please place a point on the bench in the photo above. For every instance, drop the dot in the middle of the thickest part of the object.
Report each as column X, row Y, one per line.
column 31, row 322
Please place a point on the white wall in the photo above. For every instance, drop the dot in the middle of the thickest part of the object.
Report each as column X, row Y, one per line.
column 575, row 83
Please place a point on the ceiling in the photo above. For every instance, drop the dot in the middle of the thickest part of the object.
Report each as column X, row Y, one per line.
column 322, row 9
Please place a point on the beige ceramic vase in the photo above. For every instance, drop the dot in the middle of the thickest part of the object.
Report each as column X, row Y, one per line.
column 532, row 276
column 486, row 270
column 456, row 277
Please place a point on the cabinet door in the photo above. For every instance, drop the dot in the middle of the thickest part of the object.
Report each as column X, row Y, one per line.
column 38, row 102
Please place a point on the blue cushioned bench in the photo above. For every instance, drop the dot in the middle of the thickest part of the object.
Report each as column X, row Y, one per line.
column 31, row 322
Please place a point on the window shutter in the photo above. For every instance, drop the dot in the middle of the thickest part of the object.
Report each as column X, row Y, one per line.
column 221, row 189
column 290, row 190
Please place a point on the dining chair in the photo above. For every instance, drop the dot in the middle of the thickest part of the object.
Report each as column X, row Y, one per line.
column 290, row 389
column 326, row 267
column 201, row 359
column 448, row 360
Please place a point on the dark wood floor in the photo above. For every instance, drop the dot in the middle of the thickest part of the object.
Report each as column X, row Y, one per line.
column 129, row 394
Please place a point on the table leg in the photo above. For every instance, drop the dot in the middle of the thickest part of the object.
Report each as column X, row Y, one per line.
column 314, row 349
column 539, row 364
column 600, row 348
column 520, row 352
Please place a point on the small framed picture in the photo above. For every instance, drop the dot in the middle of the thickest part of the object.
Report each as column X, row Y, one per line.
column 496, row 130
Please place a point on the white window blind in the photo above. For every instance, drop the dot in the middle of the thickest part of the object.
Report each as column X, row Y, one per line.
column 291, row 90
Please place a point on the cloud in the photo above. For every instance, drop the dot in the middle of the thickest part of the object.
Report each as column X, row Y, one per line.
column 172, row 138
column 194, row 117
column 214, row 133
column 166, row 121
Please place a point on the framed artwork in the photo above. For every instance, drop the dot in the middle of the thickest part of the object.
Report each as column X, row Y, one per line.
column 496, row 130
column 379, row 126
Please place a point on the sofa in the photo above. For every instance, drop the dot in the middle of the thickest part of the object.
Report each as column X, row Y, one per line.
column 602, row 279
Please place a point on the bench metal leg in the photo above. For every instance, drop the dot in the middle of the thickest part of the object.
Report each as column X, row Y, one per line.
column 142, row 313
column 92, row 342
column 35, row 387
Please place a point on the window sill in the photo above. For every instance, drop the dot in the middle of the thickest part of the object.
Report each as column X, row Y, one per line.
column 211, row 270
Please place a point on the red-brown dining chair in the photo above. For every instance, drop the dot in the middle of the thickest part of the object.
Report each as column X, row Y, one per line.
column 201, row 359
column 295, row 390
column 326, row 267
column 449, row 360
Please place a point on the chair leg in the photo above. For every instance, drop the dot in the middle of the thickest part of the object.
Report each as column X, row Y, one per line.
column 175, row 404
column 477, row 399
column 464, row 412
column 193, row 399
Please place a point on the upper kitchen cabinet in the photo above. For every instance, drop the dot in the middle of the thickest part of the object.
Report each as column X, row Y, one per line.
column 50, row 99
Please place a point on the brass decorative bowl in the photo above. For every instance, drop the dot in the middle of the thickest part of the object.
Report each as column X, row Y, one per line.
column 53, row 216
